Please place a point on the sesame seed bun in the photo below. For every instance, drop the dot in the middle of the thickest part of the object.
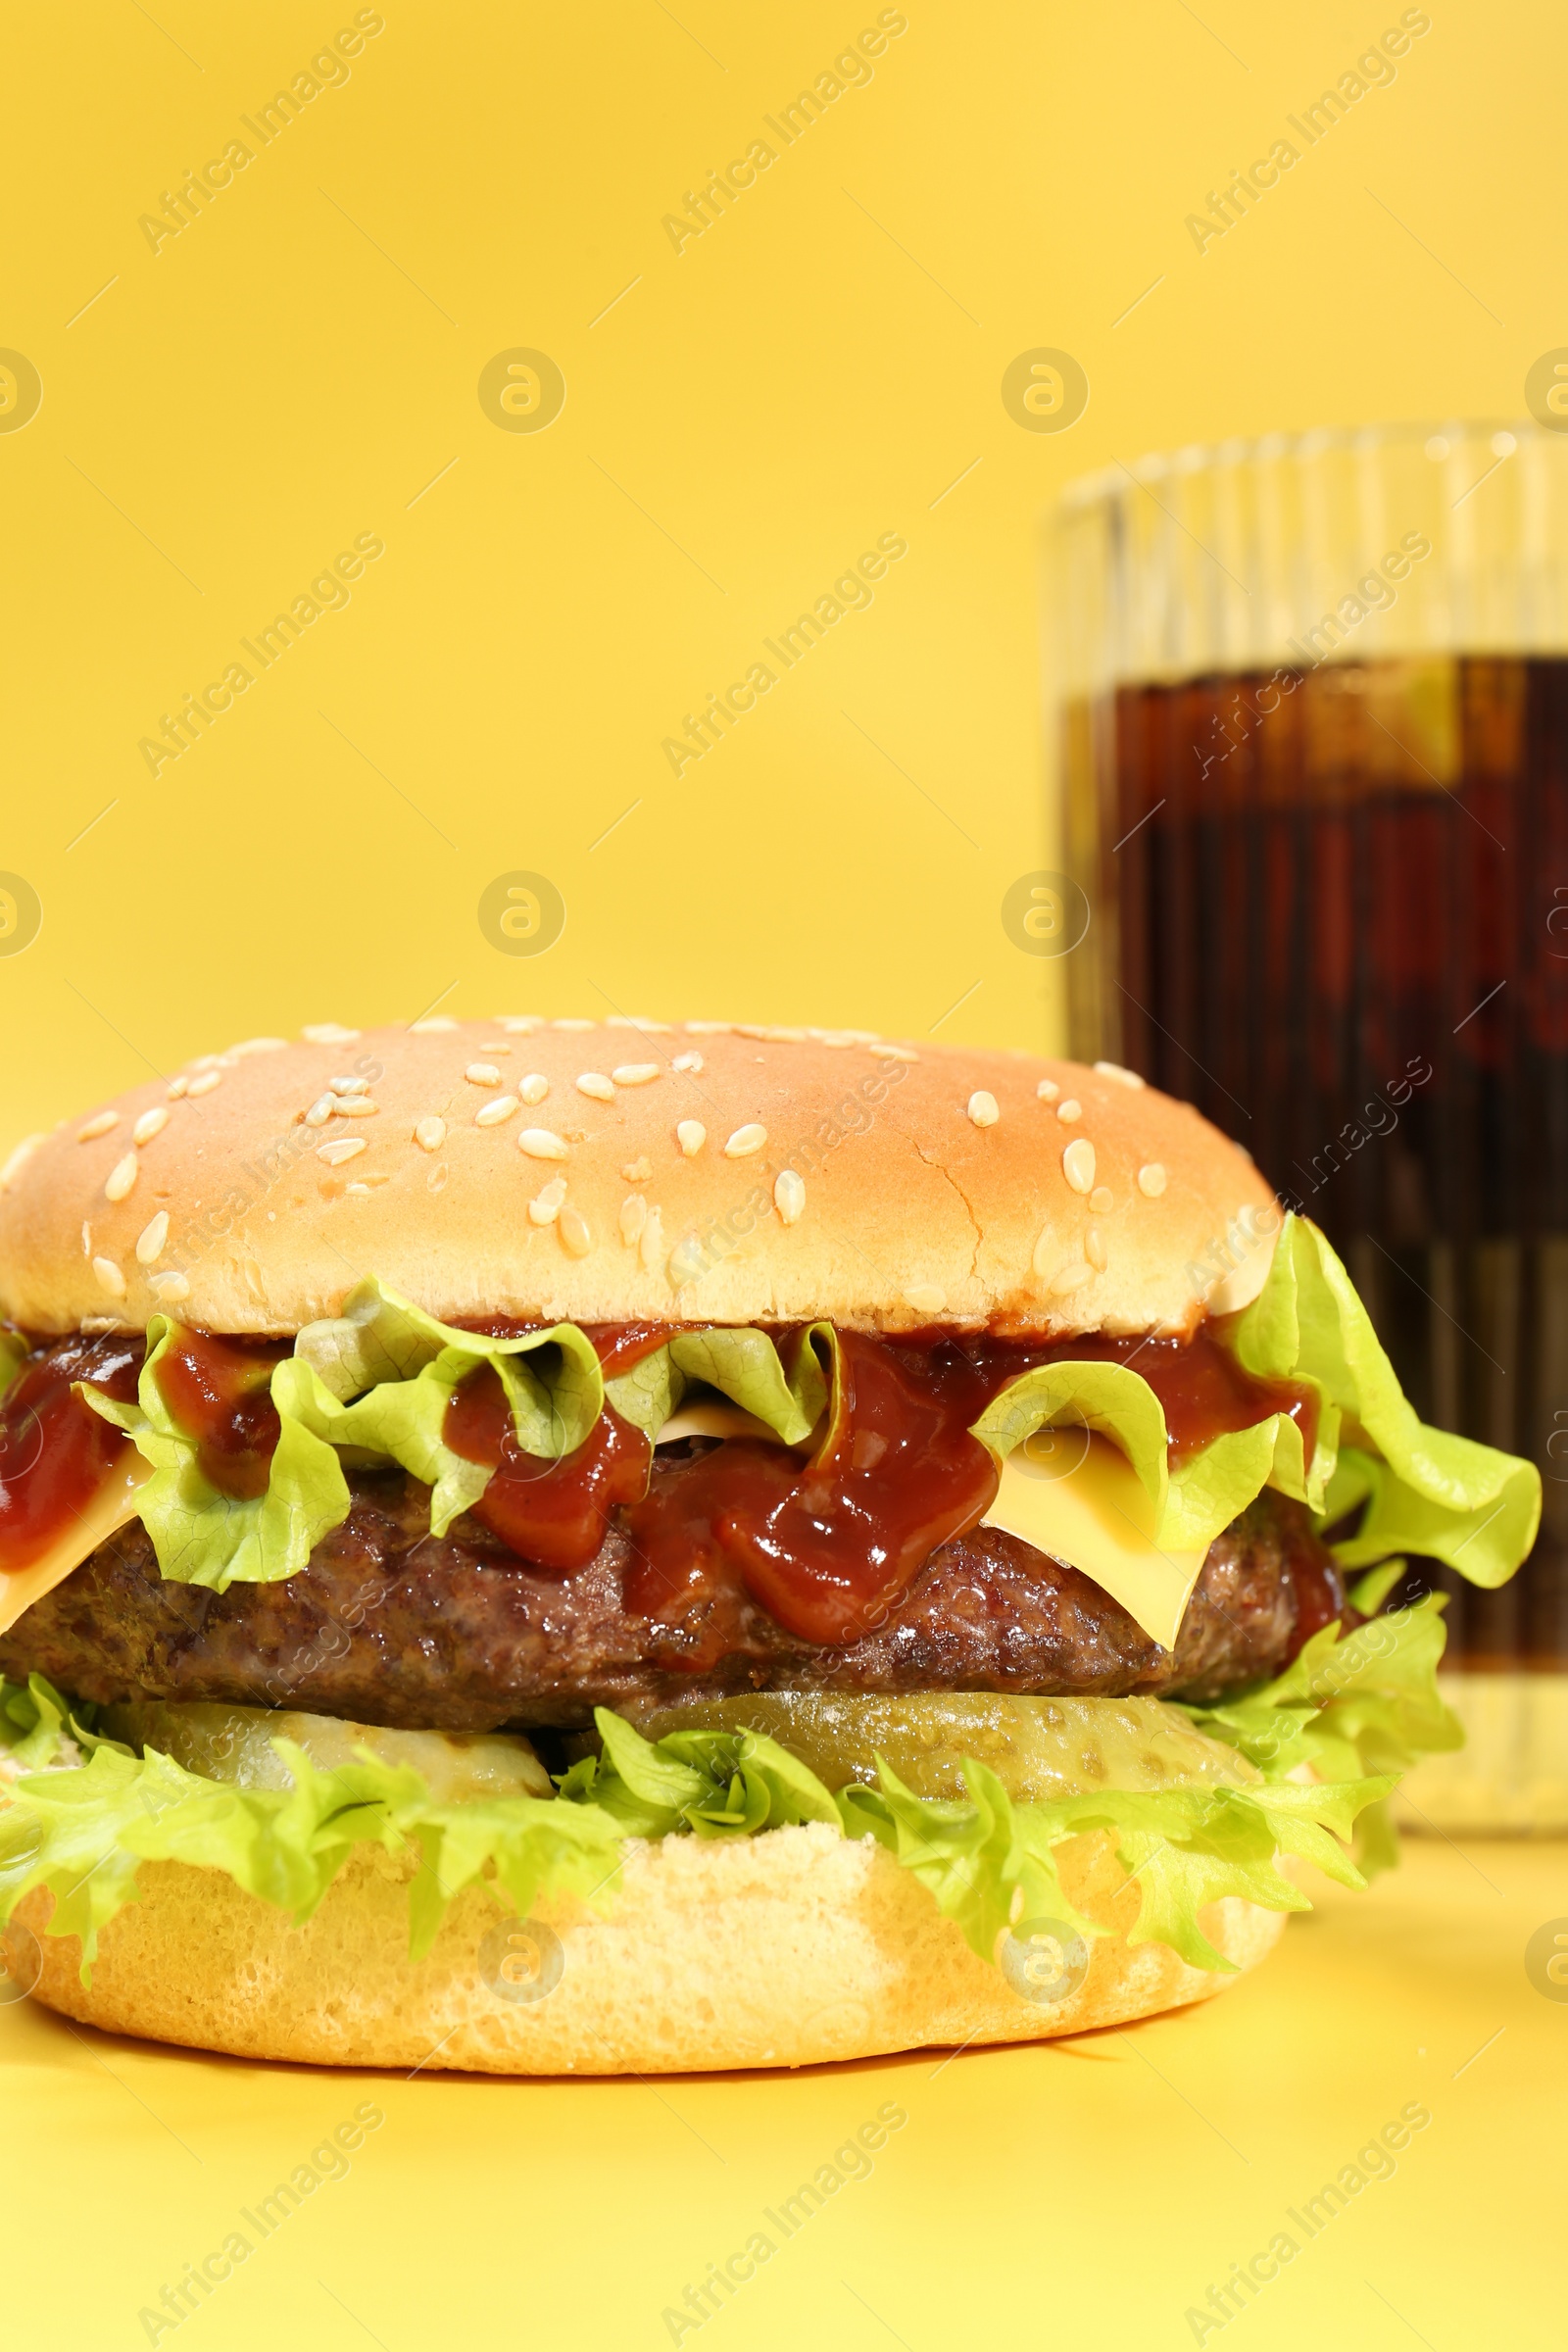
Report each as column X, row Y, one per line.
column 786, row 1949
column 606, row 1173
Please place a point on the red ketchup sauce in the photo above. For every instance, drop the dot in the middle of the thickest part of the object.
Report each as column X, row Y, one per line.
column 55, row 1450
column 554, row 1514
column 829, row 1543
column 217, row 1390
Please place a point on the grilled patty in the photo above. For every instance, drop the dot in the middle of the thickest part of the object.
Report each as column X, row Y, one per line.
column 389, row 1625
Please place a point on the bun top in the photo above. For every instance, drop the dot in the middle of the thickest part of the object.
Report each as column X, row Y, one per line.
column 609, row 1173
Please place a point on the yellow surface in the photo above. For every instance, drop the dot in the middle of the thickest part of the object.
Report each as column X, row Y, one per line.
column 222, row 417
column 1087, row 2194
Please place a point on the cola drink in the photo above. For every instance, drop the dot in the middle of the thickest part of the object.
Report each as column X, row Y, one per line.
column 1331, row 910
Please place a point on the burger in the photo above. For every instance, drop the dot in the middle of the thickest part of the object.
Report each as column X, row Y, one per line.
column 536, row 1547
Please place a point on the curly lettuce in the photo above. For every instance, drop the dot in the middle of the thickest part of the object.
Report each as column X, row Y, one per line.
column 201, row 1535
column 1423, row 1488
column 1365, row 1702
column 742, row 1364
column 382, row 1375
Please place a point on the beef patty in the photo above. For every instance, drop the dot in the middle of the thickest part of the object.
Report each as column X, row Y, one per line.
column 390, row 1625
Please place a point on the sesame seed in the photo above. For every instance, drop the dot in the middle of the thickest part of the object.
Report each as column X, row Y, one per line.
column 982, row 1108
column 707, row 1028
column 688, row 1065
column 1102, row 1201
column 176, row 1089
column 1095, row 1247
column 362, row 1190
column 207, row 1061
column 883, row 1053
column 545, row 1206
column 1078, row 1164
column 925, row 1298
column 495, row 1045
column 635, row 1020
column 1048, row 1090
column 573, row 1024
column 259, row 1045
column 86, row 1238
column 491, row 1114
column 110, row 1278
column 651, row 1247
column 17, row 1159
column 1152, row 1180
column 633, row 1217
column 597, row 1085
column 1114, row 1070
column 349, row 1086
column 534, row 1087
column 637, row 1171
column 171, row 1287
column 354, row 1107
column 519, row 1024
column 151, row 1124
column 789, row 1195
column 540, row 1144
column 691, row 1135
column 1071, row 1278
column 328, row 1033
column 1070, row 1111
column 204, row 1084
column 98, row 1126
column 576, row 1234
column 431, row 1133
column 482, row 1073
column 1045, row 1250
column 336, row 1153
column 121, row 1176
column 150, row 1245
column 745, row 1141
column 635, row 1074
column 321, row 1111
column 433, row 1024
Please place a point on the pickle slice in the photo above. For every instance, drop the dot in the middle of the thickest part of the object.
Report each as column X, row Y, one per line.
column 234, row 1744
column 1039, row 1748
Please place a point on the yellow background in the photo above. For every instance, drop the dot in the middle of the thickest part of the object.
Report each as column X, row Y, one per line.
column 1083, row 2193
column 301, row 360
column 301, row 365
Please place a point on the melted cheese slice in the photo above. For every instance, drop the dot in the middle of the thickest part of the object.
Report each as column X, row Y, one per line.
column 115, row 1502
column 715, row 1420
column 1076, row 1496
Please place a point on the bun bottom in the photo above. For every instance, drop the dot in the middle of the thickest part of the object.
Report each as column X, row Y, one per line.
column 788, row 1949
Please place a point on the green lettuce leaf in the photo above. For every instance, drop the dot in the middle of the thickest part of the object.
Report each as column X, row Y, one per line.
column 714, row 1784
column 1193, row 1503
column 203, row 1535
column 986, row 1861
column 34, row 1720
column 13, row 1352
column 1360, row 1704
column 379, row 1379
column 743, row 1365
column 1426, row 1491
column 82, row 1834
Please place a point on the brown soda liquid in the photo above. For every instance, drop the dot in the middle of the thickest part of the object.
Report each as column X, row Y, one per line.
column 1332, row 911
